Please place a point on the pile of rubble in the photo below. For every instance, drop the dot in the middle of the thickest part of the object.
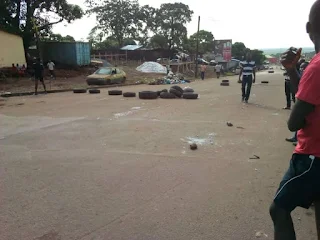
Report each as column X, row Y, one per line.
column 171, row 78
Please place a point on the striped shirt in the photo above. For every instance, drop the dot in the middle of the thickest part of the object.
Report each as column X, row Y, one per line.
column 247, row 67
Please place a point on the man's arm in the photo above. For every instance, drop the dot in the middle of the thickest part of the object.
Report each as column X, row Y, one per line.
column 294, row 79
column 240, row 74
column 254, row 74
column 300, row 111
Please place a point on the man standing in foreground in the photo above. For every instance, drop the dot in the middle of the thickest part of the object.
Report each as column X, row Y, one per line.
column 248, row 69
column 203, row 69
column 301, row 183
column 38, row 75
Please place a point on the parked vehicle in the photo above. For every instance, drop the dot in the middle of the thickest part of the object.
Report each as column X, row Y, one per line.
column 212, row 63
column 202, row 61
column 107, row 76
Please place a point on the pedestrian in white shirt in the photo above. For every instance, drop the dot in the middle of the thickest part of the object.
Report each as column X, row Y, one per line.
column 51, row 66
column 218, row 68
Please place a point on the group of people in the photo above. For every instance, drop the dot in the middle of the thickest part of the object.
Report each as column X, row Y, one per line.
column 17, row 70
column 218, row 68
column 300, row 185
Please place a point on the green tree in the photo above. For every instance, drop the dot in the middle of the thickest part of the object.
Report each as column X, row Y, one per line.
column 158, row 41
column 170, row 22
column 239, row 50
column 58, row 38
column 206, row 42
column 258, row 56
column 116, row 18
column 21, row 16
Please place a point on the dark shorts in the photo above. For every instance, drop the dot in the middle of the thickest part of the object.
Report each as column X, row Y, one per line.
column 300, row 185
column 40, row 78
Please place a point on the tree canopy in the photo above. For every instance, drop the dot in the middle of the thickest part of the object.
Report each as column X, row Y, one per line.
column 206, row 42
column 21, row 16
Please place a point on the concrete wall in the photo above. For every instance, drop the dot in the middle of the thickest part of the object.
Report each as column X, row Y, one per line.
column 11, row 50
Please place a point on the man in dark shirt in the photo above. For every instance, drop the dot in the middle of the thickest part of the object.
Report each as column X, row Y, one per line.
column 38, row 75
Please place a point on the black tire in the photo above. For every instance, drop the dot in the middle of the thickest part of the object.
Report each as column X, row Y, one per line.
column 79, row 90
column 188, row 90
column 264, row 81
column 129, row 94
column 176, row 92
column 224, row 84
column 271, row 71
column 225, row 81
column 115, row 92
column 167, row 95
column 148, row 95
column 190, row 95
column 94, row 91
column 163, row 90
column 177, row 88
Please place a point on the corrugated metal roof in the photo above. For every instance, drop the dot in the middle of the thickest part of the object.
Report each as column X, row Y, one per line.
column 131, row 47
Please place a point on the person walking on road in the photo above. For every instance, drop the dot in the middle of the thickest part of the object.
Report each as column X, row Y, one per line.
column 300, row 185
column 203, row 69
column 248, row 74
column 51, row 66
column 38, row 75
column 287, row 89
column 218, row 69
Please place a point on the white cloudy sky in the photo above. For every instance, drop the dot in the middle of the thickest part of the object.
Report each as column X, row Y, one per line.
column 257, row 23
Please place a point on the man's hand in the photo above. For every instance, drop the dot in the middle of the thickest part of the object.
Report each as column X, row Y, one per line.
column 290, row 58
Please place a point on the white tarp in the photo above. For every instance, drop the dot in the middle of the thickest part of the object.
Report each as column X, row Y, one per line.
column 152, row 67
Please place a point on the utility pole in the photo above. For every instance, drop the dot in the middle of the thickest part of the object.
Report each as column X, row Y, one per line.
column 197, row 49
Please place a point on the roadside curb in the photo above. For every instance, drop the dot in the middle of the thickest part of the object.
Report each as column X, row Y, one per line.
column 7, row 95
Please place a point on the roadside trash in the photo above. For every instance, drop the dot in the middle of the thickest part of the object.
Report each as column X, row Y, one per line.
column 255, row 157
column 229, row 124
column 193, row 146
column 240, row 127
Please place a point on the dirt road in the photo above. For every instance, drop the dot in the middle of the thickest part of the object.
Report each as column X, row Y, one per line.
column 94, row 167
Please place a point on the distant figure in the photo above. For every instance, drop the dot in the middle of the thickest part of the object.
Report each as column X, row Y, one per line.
column 22, row 71
column 203, row 69
column 248, row 74
column 18, row 67
column 218, row 69
column 38, row 75
column 51, row 66
column 287, row 89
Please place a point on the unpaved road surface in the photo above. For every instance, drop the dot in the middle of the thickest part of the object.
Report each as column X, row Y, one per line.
column 93, row 167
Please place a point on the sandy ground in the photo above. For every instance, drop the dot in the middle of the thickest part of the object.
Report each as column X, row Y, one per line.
column 94, row 167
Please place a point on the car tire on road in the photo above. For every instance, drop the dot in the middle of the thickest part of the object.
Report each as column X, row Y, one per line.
column 148, row 95
column 190, row 95
column 224, row 84
column 79, row 90
column 94, row 91
column 271, row 71
column 188, row 90
column 176, row 92
column 129, row 94
column 115, row 92
column 264, row 81
column 167, row 95
column 225, row 81
column 177, row 88
column 163, row 90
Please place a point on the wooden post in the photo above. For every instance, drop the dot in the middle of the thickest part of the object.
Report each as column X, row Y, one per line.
column 197, row 48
